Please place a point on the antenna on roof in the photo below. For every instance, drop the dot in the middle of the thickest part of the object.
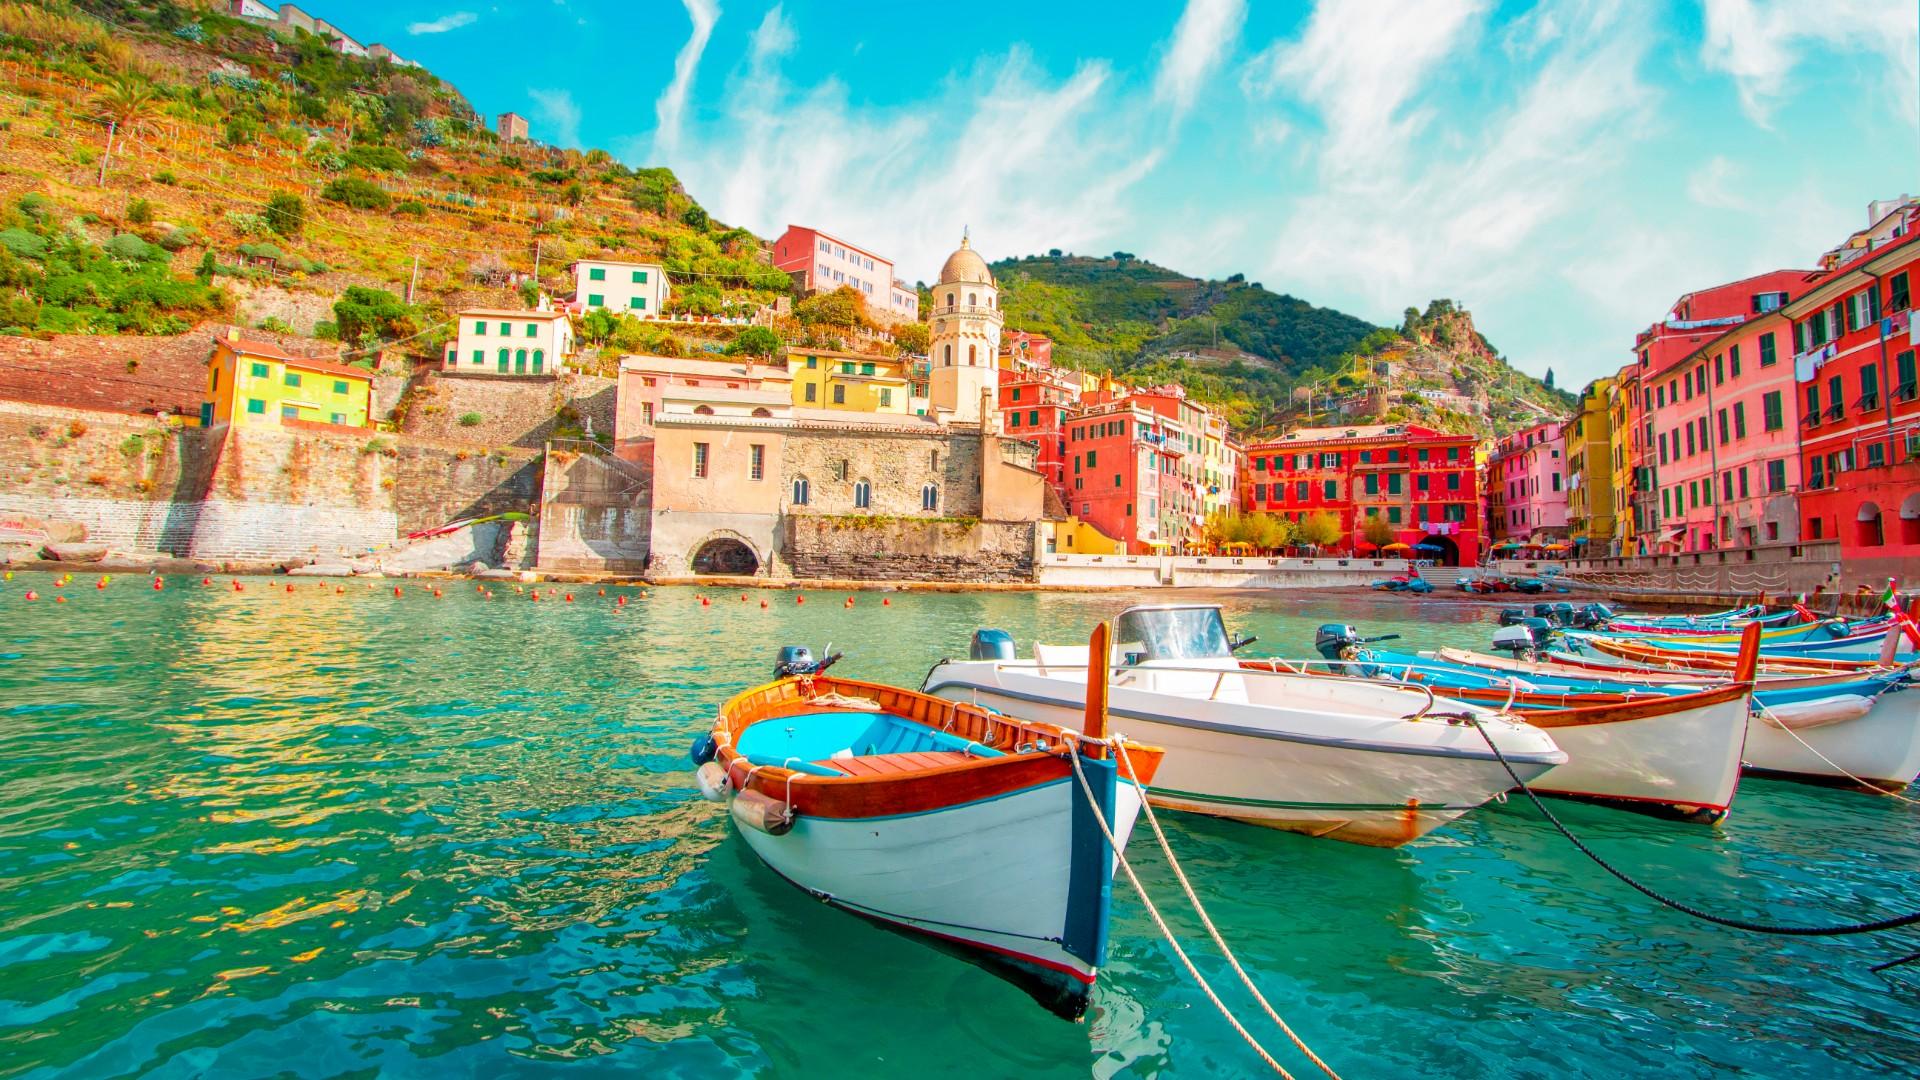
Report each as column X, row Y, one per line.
column 966, row 235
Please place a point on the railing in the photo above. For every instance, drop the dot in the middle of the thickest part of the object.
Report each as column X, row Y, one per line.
column 1122, row 674
column 968, row 309
column 636, row 479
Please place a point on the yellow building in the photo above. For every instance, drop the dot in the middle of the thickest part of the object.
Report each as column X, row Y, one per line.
column 1621, row 402
column 1076, row 537
column 826, row 379
column 1589, row 450
column 252, row 382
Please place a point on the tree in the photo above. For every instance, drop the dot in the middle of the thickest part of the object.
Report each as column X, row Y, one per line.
column 1271, row 532
column 1377, row 531
column 286, row 214
column 1549, row 379
column 912, row 337
column 841, row 307
column 1318, row 529
column 366, row 315
column 357, row 193
column 598, row 325
column 125, row 101
column 754, row 341
column 205, row 271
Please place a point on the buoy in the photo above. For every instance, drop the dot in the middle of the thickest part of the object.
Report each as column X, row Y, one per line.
column 206, row 581
column 536, row 594
column 569, row 598
column 59, row 599
column 59, row 583
column 799, row 599
column 704, row 602
column 338, row 589
column 31, row 595
column 884, row 602
column 763, row 605
column 237, row 587
column 101, row 584
column 396, row 591
column 158, row 584
column 603, row 592
column 436, row 594
column 743, row 598
column 622, row 602
column 9, row 575
column 849, row 601
column 289, row 586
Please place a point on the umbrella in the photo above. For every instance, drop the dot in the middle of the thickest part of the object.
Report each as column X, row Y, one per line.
column 1508, row 546
column 1428, row 547
column 1558, row 547
column 1397, row 546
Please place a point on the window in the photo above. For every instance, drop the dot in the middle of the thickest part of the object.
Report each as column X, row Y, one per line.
column 646, row 412
column 699, row 461
column 1776, row 476
column 258, row 371
column 1393, row 483
column 1726, row 486
column 337, row 418
column 480, row 329
column 1720, row 370
column 289, row 412
column 813, row 391
column 1033, row 417
column 292, row 378
column 1093, row 458
column 1423, row 482
column 1836, row 398
column 1813, row 404
column 506, row 329
column 839, row 394
column 539, row 360
column 520, row 361
column 1453, row 481
column 256, row 406
column 596, row 299
column 339, row 386
column 1300, row 491
column 1331, row 489
column 862, row 495
column 1876, row 454
column 1869, row 386
column 929, row 497
column 1769, row 352
column 1897, row 296
column 1393, row 515
column 1724, row 428
column 801, row 491
column 1816, row 472
column 639, row 277
column 598, row 273
column 1733, row 360
column 480, row 356
column 756, row 462
column 1373, row 483
column 1770, row 412
column 1743, row 481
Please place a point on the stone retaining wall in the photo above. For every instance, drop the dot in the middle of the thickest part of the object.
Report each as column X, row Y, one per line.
column 904, row 549
column 595, row 513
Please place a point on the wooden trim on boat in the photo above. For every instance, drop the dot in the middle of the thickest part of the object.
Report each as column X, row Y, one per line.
column 1633, row 708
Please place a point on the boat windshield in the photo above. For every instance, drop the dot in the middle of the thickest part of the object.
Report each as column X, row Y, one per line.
column 1191, row 633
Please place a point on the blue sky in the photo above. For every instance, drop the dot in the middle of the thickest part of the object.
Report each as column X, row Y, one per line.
column 1565, row 168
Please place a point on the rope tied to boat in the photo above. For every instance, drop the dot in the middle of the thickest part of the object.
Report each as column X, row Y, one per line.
column 1073, row 753
column 1891, row 923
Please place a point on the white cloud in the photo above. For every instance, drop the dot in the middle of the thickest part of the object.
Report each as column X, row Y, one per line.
column 557, row 115
column 1201, row 40
column 444, row 23
column 672, row 103
column 1714, row 183
column 1760, row 42
column 1360, row 65
column 772, row 39
column 907, row 181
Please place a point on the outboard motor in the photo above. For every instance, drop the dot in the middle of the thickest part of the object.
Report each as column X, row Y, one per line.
column 1563, row 613
column 1512, row 616
column 1543, row 611
column 1516, row 641
column 991, row 645
column 1333, row 640
column 1540, row 630
column 799, row 660
column 1592, row 616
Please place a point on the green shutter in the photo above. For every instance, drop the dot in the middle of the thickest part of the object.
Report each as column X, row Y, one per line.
column 259, row 371
column 599, row 274
column 256, row 406
column 639, row 277
column 339, row 386
column 480, row 328
column 596, row 300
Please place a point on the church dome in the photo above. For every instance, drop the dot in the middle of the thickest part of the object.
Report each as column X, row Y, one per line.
column 965, row 265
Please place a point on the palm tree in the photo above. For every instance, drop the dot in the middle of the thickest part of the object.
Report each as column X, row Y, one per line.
column 124, row 102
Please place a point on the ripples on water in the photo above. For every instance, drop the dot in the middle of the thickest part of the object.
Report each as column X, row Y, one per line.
column 321, row 834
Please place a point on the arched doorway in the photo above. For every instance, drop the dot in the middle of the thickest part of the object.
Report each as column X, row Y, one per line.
column 725, row 555
column 1910, row 519
column 1448, row 555
column 1870, row 532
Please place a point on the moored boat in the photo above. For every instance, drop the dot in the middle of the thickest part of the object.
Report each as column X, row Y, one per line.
column 1346, row 760
column 983, row 833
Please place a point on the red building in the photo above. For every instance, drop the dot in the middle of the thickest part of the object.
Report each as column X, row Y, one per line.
column 1859, row 398
column 823, row 263
column 1034, row 407
column 1423, row 482
column 1122, row 459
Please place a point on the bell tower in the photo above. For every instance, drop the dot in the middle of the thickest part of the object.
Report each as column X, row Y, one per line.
column 964, row 339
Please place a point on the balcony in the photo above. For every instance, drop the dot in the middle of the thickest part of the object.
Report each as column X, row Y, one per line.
column 967, row 309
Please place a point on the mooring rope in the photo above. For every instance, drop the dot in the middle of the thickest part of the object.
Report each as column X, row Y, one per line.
column 1767, row 714
column 1073, row 751
column 1120, row 746
column 1720, row 920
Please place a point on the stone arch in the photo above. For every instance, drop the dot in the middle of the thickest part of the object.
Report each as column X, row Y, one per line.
column 725, row 553
column 763, row 413
column 930, row 495
column 1869, row 528
column 703, row 410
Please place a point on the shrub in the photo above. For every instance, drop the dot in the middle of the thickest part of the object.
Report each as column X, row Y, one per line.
column 247, row 224
column 140, row 212
column 754, row 341
column 326, row 330
column 471, row 419
column 177, row 238
column 132, row 248
column 364, row 314
column 275, row 325
column 412, row 208
column 377, row 158
column 241, row 131
column 165, row 176
column 286, row 214
column 357, row 193
column 25, row 244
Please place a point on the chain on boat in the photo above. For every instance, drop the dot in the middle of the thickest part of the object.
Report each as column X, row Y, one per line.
column 1073, row 751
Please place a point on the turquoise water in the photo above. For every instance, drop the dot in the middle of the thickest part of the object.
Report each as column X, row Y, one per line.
column 329, row 834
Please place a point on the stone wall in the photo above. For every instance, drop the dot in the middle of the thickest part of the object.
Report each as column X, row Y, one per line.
column 255, row 302
column 897, row 465
column 132, row 481
column 1781, row 569
column 905, row 549
column 594, row 514
column 513, row 410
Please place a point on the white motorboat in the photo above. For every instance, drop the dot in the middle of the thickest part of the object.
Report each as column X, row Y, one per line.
column 1355, row 761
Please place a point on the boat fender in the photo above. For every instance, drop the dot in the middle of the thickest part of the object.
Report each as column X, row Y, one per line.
column 712, row 778
column 703, row 749
column 761, row 812
column 1802, row 715
column 1836, row 628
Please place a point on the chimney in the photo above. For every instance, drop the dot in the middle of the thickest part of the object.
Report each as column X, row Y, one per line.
column 233, row 333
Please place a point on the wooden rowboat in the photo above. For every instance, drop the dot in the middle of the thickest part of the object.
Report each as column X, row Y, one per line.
column 937, row 818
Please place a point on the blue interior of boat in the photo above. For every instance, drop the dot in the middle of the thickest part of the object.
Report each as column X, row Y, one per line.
column 810, row 737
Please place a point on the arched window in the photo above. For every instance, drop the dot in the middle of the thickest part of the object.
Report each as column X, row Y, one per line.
column 862, row 495
column 703, row 410
column 520, row 362
column 972, row 354
column 949, row 299
column 989, row 299
column 973, row 299
column 946, row 355
column 505, row 359
column 539, row 361
column 801, row 491
column 930, row 497
column 762, row 413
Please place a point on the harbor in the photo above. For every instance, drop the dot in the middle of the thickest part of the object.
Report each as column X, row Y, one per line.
column 271, row 823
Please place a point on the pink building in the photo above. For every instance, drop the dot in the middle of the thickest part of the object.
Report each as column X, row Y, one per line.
column 646, row 380
column 1529, row 469
column 1120, row 458
column 823, row 263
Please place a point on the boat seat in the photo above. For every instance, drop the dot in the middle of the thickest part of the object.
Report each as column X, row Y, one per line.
column 894, row 764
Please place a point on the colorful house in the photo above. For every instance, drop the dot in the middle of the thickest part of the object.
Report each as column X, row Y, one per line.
column 822, row 263
column 1529, row 468
column 499, row 341
column 1589, row 438
column 1422, row 482
column 632, row 288
column 257, row 383
column 1121, row 459
column 851, row 382
column 646, row 381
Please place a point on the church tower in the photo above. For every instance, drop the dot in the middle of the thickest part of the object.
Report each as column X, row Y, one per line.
column 964, row 339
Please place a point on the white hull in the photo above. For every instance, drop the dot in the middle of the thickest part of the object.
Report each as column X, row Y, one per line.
column 1882, row 747
column 1686, row 761
column 991, row 875
column 1322, row 757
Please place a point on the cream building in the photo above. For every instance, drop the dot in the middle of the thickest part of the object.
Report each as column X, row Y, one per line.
column 496, row 341
column 964, row 340
column 630, row 287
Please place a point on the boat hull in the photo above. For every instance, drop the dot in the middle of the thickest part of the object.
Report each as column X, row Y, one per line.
column 1683, row 763
column 1339, row 789
column 1881, row 748
column 985, row 879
